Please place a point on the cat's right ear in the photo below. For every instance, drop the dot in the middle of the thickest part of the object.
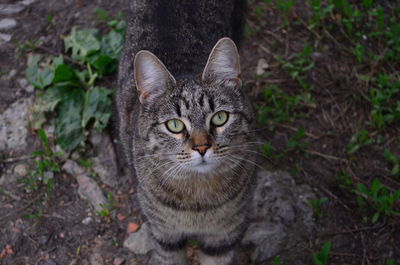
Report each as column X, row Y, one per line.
column 151, row 76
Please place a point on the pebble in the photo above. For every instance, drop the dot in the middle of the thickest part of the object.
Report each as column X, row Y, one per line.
column 139, row 242
column 22, row 82
column 20, row 170
column 9, row 9
column 87, row 220
column 11, row 74
column 96, row 259
column 14, row 125
column 5, row 37
column 7, row 23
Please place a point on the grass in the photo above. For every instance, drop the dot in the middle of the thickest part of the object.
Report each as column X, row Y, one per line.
column 333, row 100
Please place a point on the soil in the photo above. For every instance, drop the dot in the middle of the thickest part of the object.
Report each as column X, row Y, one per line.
column 51, row 232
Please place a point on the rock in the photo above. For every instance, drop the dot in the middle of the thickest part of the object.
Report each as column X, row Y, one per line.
column 90, row 191
column 14, row 125
column 118, row 261
column 5, row 38
column 262, row 65
column 7, row 23
column 27, row 2
column 281, row 214
column 30, row 89
column 96, row 259
column 105, row 163
column 72, row 168
column 9, row 9
column 22, row 82
column 139, row 242
column 88, row 188
column 20, row 170
column 11, row 74
column 87, row 220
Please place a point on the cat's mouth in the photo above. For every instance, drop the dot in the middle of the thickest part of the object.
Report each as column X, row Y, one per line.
column 203, row 165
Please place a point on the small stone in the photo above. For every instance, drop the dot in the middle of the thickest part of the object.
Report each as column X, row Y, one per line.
column 22, row 82
column 118, row 261
column 27, row 2
column 132, row 227
column 14, row 125
column 139, row 242
column 87, row 220
column 262, row 65
column 105, row 163
column 7, row 23
column 96, row 259
column 20, row 170
column 8, row 9
column 29, row 89
column 5, row 37
column 11, row 74
column 72, row 168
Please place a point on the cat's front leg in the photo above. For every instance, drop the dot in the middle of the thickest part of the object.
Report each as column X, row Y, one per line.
column 168, row 249
column 218, row 250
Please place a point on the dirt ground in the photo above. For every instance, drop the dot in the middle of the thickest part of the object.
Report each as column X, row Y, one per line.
column 54, row 233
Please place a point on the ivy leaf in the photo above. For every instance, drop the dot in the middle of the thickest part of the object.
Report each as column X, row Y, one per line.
column 98, row 107
column 112, row 43
column 82, row 43
column 65, row 74
column 68, row 129
column 104, row 64
column 38, row 77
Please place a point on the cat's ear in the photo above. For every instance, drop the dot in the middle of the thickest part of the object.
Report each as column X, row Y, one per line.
column 151, row 76
column 223, row 63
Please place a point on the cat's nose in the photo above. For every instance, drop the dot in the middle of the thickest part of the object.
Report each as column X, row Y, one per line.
column 201, row 148
column 200, row 142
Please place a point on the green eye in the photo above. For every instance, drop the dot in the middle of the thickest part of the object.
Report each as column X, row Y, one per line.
column 220, row 118
column 175, row 126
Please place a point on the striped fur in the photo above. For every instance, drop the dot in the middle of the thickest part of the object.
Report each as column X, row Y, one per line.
column 184, row 199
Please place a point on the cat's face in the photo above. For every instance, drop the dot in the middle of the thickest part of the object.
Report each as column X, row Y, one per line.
column 199, row 126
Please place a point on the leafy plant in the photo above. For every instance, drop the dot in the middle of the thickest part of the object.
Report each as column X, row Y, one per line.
column 322, row 257
column 108, row 207
column 277, row 261
column 381, row 200
column 279, row 107
column 70, row 93
column 316, row 205
column 394, row 160
column 46, row 165
column 358, row 140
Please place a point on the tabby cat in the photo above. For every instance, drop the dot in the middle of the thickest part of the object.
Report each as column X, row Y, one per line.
column 186, row 132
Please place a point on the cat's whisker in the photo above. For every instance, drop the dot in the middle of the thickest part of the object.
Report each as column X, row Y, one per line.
column 247, row 160
column 158, row 167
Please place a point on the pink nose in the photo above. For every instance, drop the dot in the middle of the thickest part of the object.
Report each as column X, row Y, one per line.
column 201, row 148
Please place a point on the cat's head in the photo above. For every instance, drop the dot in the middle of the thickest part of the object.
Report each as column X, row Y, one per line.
column 201, row 125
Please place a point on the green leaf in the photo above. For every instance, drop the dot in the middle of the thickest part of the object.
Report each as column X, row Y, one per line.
column 82, row 43
column 38, row 77
column 68, row 127
column 112, row 43
column 98, row 107
column 104, row 64
column 65, row 73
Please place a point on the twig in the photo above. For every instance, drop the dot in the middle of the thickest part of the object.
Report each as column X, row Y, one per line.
column 330, row 157
column 23, row 207
column 335, row 197
column 295, row 129
column 16, row 159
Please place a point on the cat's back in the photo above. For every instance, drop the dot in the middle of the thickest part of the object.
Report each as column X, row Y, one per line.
column 182, row 33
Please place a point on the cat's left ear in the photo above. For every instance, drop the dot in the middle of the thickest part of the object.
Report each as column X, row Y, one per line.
column 152, row 78
column 223, row 65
